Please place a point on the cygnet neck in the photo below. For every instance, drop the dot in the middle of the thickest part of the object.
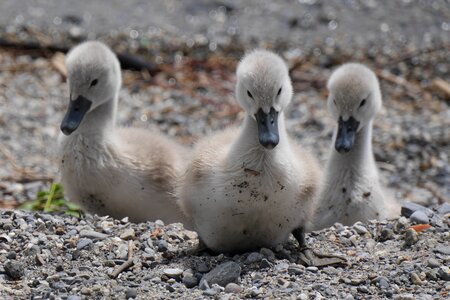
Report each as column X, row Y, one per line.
column 360, row 156
column 248, row 140
column 100, row 121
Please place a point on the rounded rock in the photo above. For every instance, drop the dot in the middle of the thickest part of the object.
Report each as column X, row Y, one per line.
column 233, row 288
column 419, row 217
column 173, row 273
column 131, row 294
column 14, row 269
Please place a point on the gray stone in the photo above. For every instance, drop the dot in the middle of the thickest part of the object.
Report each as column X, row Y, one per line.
column 162, row 246
column 170, row 288
column 433, row 263
column 444, row 273
column 281, row 267
column 202, row 267
column 360, row 228
column 386, row 234
column 83, row 243
column 190, row 281
column 433, row 274
column 411, row 237
column 128, row 234
column 204, row 285
column 267, row 253
column 33, row 250
column 265, row 264
column 73, row 297
column 92, row 234
column 296, row 269
column 443, row 249
column 210, row 292
column 223, row 274
column 408, row 208
column 131, row 294
column 382, row 282
column 312, row 269
column 233, row 288
column 419, row 217
column 416, row 279
column 405, row 297
column 173, row 273
column 14, row 269
column 444, row 208
column 253, row 258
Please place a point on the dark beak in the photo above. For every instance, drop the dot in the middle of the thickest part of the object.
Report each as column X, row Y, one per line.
column 346, row 135
column 268, row 128
column 74, row 115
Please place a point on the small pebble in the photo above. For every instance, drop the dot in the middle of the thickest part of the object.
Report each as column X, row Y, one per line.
column 444, row 209
column 411, row 237
column 296, row 269
column 416, row 279
column 442, row 249
column 444, row 273
column 419, row 217
column 386, row 234
column 433, row 263
column 360, row 228
column 253, row 258
column 265, row 264
column 83, row 243
column 190, row 281
column 173, row 273
column 233, row 288
column 14, row 269
column 131, row 294
column 162, row 246
column 128, row 234
column 405, row 297
column 223, row 274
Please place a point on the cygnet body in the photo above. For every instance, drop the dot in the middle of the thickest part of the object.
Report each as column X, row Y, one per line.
column 126, row 172
column 250, row 187
column 352, row 191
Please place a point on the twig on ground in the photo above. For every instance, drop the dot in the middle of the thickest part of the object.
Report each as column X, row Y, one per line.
column 127, row 264
column 127, row 61
column 442, row 85
column 58, row 63
column 411, row 89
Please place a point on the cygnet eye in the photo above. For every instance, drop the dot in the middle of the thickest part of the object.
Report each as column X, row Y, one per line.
column 279, row 92
column 249, row 94
column 94, row 82
column 362, row 103
column 334, row 101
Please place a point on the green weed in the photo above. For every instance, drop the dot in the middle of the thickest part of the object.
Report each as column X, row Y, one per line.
column 53, row 201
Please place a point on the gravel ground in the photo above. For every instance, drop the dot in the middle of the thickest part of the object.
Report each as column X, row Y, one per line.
column 407, row 44
column 44, row 256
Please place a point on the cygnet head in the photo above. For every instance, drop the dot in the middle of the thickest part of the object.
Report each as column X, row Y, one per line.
column 264, row 90
column 354, row 99
column 94, row 78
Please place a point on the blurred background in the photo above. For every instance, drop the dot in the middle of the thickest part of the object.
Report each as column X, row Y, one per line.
column 179, row 59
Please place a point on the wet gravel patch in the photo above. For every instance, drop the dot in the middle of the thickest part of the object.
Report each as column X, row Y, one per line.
column 44, row 256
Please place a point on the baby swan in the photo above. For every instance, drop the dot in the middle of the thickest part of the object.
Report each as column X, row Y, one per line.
column 352, row 191
column 108, row 171
column 251, row 187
